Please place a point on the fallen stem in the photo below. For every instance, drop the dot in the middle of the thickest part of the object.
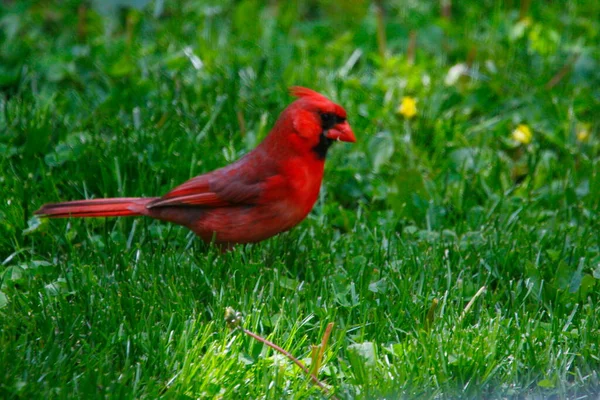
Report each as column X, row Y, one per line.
column 381, row 36
column 562, row 73
column 289, row 355
column 324, row 341
column 234, row 320
column 412, row 47
column 470, row 304
column 446, row 6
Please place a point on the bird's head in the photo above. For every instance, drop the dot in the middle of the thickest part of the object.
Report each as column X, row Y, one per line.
column 316, row 121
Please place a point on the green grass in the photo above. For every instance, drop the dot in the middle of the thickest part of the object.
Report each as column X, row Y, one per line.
column 417, row 211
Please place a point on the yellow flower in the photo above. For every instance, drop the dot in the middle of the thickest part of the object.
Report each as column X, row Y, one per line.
column 522, row 134
column 408, row 107
column 583, row 132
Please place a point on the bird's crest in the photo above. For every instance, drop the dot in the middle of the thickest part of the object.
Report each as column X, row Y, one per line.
column 300, row 92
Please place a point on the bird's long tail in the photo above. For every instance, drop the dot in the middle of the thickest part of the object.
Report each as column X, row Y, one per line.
column 116, row 207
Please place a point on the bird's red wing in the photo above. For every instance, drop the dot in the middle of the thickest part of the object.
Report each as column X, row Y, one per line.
column 222, row 188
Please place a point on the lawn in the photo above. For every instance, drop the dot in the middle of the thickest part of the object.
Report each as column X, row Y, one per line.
column 454, row 251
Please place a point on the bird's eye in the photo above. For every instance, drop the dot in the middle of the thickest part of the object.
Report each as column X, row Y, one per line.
column 329, row 120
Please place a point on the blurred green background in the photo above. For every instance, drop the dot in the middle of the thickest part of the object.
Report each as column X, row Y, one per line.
column 455, row 246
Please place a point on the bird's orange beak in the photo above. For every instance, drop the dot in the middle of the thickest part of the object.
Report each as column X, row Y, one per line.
column 341, row 132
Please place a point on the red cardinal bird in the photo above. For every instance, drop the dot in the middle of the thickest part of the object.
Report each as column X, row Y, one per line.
column 269, row 190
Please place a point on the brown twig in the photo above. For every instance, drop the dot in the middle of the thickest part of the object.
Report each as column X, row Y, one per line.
column 234, row 320
column 323, row 345
column 524, row 9
column 82, row 22
column 241, row 122
column 412, row 47
column 471, row 56
column 561, row 73
column 446, row 6
column 286, row 353
column 381, row 38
